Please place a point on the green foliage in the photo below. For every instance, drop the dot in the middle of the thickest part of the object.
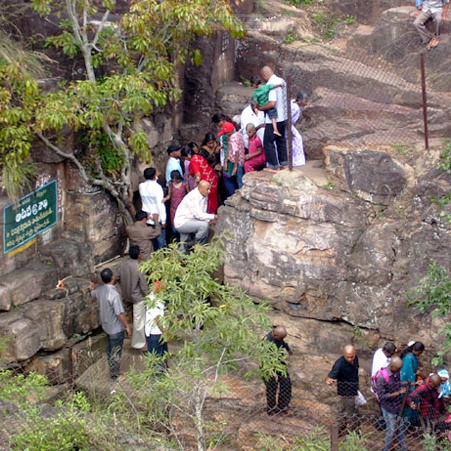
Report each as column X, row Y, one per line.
column 431, row 442
column 350, row 19
column 442, row 201
column 317, row 440
column 298, row 3
column 98, row 149
column 292, row 36
column 402, row 149
column 219, row 330
column 138, row 57
column 433, row 294
column 445, row 156
column 21, row 388
column 326, row 23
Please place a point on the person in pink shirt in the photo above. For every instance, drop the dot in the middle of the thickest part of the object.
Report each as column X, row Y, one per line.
column 235, row 152
column 256, row 154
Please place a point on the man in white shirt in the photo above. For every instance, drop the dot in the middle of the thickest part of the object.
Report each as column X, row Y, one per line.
column 435, row 10
column 251, row 116
column 192, row 217
column 382, row 356
column 173, row 164
column 277, row 158
column 152, row 195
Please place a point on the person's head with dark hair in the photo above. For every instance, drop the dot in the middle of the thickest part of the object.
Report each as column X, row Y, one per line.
column 107, row 276
column 176, row 176
column 220, row 119
column 389, row 349
column 174, row 150
column 140, row 215
column 416, row 348
column 204, row 153
column 134, row 252
column 256, row 81
column 187, row 153
column 193, row 146
column 209, row 140
column 150, row 173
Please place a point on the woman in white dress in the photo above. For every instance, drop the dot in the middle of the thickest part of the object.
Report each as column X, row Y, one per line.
column 298, row 145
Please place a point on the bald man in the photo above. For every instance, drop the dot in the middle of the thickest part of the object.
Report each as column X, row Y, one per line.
column 390, row 392
column 345, row 373
column 191, row 216
column 277, row 157
column 277, row 336
column 425, row 399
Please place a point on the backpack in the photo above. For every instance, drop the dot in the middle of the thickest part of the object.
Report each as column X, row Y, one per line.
column 382, row 371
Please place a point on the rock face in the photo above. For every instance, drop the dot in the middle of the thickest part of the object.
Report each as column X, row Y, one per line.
column 345, row 251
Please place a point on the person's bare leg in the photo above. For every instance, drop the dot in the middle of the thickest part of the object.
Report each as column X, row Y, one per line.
column 274, row 124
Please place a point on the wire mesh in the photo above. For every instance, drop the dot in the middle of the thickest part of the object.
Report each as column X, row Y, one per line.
column 91, row 412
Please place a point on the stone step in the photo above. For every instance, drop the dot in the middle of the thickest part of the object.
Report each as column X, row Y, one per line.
column 25, row 284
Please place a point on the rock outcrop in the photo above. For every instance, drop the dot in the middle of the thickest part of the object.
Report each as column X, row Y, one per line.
column 346, row 251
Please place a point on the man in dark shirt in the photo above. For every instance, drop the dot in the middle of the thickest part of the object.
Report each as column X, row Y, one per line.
column 283, row 381
column 345, row 373
column 425, row 399
column 389, row 392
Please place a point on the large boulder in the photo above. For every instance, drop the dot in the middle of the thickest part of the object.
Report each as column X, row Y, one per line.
column 345, row 251
column 24, row 285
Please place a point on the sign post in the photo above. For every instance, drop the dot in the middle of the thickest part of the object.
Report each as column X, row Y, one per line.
column 30, row 216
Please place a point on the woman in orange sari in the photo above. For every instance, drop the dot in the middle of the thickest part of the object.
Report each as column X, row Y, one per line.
column 201, row 170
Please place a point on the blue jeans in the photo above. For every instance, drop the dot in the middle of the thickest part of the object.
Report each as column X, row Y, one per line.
column 114, row 352
column 390, row 422
column 154, row 345
column 239, row 176
column 159, row 241
column 230, row 185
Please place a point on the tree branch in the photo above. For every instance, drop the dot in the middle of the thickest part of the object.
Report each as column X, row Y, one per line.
column 101, row 27
column 69, row 156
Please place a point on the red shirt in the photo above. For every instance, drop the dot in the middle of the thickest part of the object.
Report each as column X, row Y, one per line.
column 254, row 143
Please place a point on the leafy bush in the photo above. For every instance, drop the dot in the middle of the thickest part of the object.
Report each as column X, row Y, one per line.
column 433, row 294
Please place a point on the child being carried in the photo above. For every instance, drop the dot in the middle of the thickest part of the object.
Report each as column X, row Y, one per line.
column 260, row 98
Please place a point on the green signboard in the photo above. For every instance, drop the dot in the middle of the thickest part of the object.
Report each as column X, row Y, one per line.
column 29, row 216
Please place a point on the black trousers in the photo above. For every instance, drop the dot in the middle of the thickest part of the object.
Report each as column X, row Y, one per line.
column 284, row 385
column 276, row 156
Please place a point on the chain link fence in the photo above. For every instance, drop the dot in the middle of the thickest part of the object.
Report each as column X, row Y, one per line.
column 90, row 412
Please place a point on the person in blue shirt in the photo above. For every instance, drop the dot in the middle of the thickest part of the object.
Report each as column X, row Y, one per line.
column 409, row 372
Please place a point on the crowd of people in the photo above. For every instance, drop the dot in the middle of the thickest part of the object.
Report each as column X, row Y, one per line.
column 407, row 398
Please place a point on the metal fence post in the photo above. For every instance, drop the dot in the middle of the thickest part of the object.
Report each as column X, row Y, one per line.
column 334, row 437
column 425, row 107
column 288, row 133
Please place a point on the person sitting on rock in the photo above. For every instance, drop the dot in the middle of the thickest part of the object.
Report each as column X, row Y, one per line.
column 191, row 216
column 435, row 10
column 255, row 157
